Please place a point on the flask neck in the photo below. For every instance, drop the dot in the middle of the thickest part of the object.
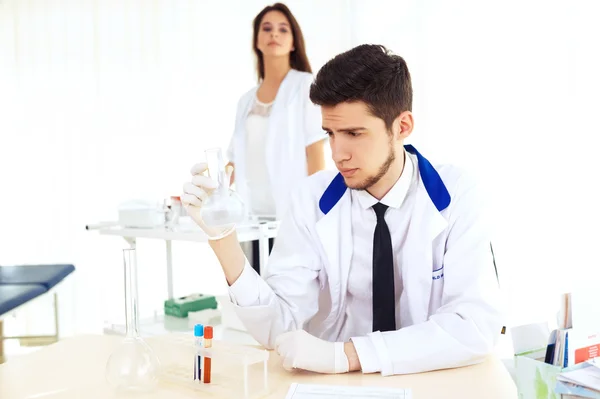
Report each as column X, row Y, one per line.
column 131, row 294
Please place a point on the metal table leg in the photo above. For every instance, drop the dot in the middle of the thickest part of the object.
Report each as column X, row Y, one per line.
column 169, row 269
column 263, row 247
column 1, row 342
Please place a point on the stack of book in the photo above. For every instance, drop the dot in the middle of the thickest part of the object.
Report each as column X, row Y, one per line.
column 570, row 345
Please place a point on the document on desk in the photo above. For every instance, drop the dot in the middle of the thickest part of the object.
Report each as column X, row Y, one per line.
column 312, row 391
column 587, row 375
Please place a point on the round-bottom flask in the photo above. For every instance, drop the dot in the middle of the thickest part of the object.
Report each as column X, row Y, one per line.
column 132, row 366
column 223, row 209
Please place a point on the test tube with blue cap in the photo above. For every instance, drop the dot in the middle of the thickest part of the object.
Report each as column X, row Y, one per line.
column 199, row 343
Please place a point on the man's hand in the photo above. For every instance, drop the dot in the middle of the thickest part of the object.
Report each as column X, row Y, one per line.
column 195, row 193
column 301, row 350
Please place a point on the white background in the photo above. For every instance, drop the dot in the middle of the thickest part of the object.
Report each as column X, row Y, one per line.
column 105, row 101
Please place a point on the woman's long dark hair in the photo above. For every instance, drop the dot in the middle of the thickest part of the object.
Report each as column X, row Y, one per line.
column 298, row 58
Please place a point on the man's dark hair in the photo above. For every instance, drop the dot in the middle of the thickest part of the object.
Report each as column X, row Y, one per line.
column 368, row 73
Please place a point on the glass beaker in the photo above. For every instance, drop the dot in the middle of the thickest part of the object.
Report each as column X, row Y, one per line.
column 223, row 208
column 132, row 366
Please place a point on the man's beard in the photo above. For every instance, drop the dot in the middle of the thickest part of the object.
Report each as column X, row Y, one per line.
column 383, row 169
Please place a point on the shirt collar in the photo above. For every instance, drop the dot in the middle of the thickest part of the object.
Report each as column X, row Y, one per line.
column 395, row 197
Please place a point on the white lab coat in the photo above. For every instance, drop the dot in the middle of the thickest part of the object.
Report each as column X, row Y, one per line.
column 294, row 124
column 450, row 308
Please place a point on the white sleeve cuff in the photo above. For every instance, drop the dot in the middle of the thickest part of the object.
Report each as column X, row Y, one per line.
column 341, row 360
column 382, row 352
column 373, row 354
column 245, row 290
column 366, row 354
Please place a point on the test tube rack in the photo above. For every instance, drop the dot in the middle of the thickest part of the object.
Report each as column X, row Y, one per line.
column 230, row 366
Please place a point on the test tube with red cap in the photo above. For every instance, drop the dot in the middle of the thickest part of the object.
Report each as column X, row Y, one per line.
column 208, row 336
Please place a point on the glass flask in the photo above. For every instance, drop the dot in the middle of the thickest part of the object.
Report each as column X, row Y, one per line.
column 132, row 366
column 223, row 208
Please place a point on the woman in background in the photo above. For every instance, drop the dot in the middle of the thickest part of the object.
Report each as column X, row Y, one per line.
column 278, row 139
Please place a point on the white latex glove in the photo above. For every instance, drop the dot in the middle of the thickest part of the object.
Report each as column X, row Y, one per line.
column 196, row 191
column 303, row 351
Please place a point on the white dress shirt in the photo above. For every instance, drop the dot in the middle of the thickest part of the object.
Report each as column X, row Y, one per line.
column 359, row 310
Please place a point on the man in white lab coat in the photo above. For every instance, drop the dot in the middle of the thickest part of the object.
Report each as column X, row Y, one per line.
column 384, row 266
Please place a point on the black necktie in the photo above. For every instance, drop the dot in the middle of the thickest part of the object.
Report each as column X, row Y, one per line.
column 384, row 301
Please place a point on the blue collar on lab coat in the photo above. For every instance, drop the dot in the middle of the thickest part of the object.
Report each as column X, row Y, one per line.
column 431, row 180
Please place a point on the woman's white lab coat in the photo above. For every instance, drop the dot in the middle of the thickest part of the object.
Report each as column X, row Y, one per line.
column 450, row 307
column 294, row 124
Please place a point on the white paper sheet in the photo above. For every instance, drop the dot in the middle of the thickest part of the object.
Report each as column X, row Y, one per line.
column 587, row 376
column 311, row 391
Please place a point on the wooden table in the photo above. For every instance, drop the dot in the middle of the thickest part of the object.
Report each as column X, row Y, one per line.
column 74, row 368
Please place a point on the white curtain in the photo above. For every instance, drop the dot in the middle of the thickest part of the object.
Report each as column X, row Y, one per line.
column 103, row 101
